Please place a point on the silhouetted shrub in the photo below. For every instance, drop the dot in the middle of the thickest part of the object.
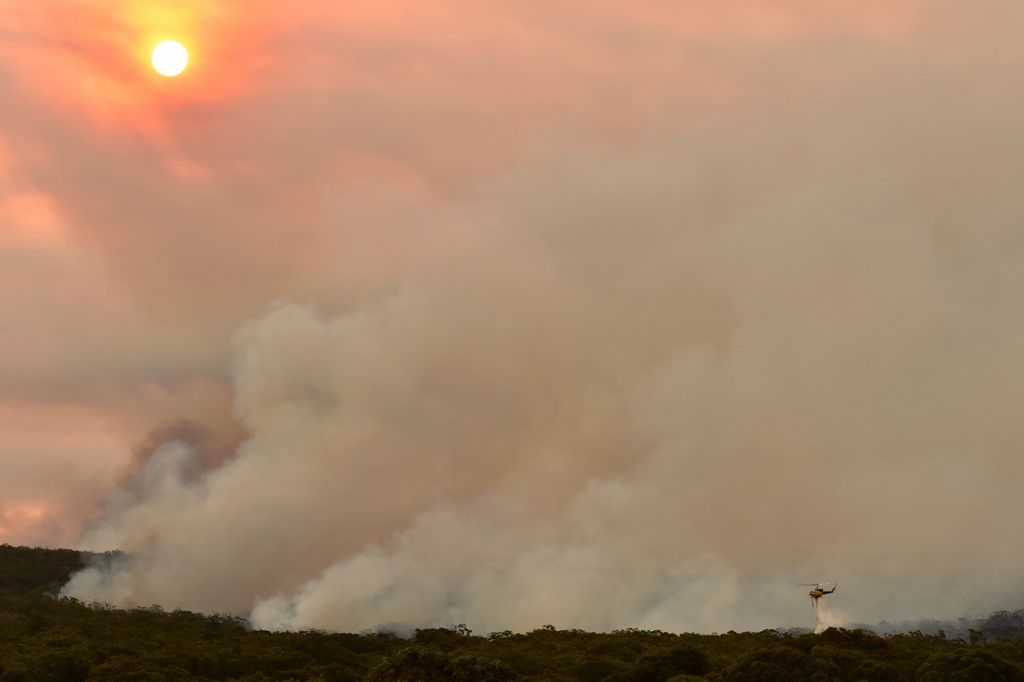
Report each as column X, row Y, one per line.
column 416, row 664
column 771, row 663
column 968, row 664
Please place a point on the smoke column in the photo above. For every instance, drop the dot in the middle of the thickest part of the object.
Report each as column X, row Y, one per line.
column 657, row 386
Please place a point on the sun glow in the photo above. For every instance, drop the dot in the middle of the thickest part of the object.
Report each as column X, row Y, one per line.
column 170, row 58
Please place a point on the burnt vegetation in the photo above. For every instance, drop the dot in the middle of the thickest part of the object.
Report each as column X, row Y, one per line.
column 43, row 637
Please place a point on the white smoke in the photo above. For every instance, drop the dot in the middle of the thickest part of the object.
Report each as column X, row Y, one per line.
column 657, row 388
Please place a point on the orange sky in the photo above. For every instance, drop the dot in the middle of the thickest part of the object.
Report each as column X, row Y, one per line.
column 143, row 219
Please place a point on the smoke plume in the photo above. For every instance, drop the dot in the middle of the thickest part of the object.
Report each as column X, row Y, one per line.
column 654, row 386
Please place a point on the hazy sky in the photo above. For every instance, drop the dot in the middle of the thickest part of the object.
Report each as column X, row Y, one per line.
column 593, row 313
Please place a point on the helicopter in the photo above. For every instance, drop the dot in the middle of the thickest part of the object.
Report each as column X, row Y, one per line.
column 819, row 590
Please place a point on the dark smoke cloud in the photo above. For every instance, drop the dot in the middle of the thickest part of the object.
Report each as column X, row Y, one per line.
column 210, row 449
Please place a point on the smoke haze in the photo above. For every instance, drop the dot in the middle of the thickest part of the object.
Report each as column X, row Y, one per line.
column 699, row 306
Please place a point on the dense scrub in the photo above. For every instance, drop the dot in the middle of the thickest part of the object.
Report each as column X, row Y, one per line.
column 26, row 570
column 45, row 638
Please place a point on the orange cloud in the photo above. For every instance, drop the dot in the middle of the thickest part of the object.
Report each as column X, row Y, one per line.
column 29, row 219
column 330, row 151
column 29, row 523
column 93, row 58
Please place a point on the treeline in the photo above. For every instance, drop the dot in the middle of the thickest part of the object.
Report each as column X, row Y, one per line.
column 45, row 638
column 32, row 570
column 998, row 625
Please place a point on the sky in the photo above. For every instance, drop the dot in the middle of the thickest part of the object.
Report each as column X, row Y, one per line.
column 594, row 313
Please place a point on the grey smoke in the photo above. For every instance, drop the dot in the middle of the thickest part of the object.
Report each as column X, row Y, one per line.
column 654, row 388
column 209, row 450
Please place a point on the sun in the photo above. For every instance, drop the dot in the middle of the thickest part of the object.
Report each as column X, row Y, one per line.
column 170, row 58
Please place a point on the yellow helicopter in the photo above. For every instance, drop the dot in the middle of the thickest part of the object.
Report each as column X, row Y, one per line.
column 819, row 590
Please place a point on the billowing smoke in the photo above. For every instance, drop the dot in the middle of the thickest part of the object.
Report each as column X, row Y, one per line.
column 178, row 454
column 657, row 387
column 207, row 451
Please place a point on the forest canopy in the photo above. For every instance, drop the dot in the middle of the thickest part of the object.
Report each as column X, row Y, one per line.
column 43, row 637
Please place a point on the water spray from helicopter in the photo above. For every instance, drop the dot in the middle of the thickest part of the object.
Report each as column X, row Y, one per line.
column 819, row 590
